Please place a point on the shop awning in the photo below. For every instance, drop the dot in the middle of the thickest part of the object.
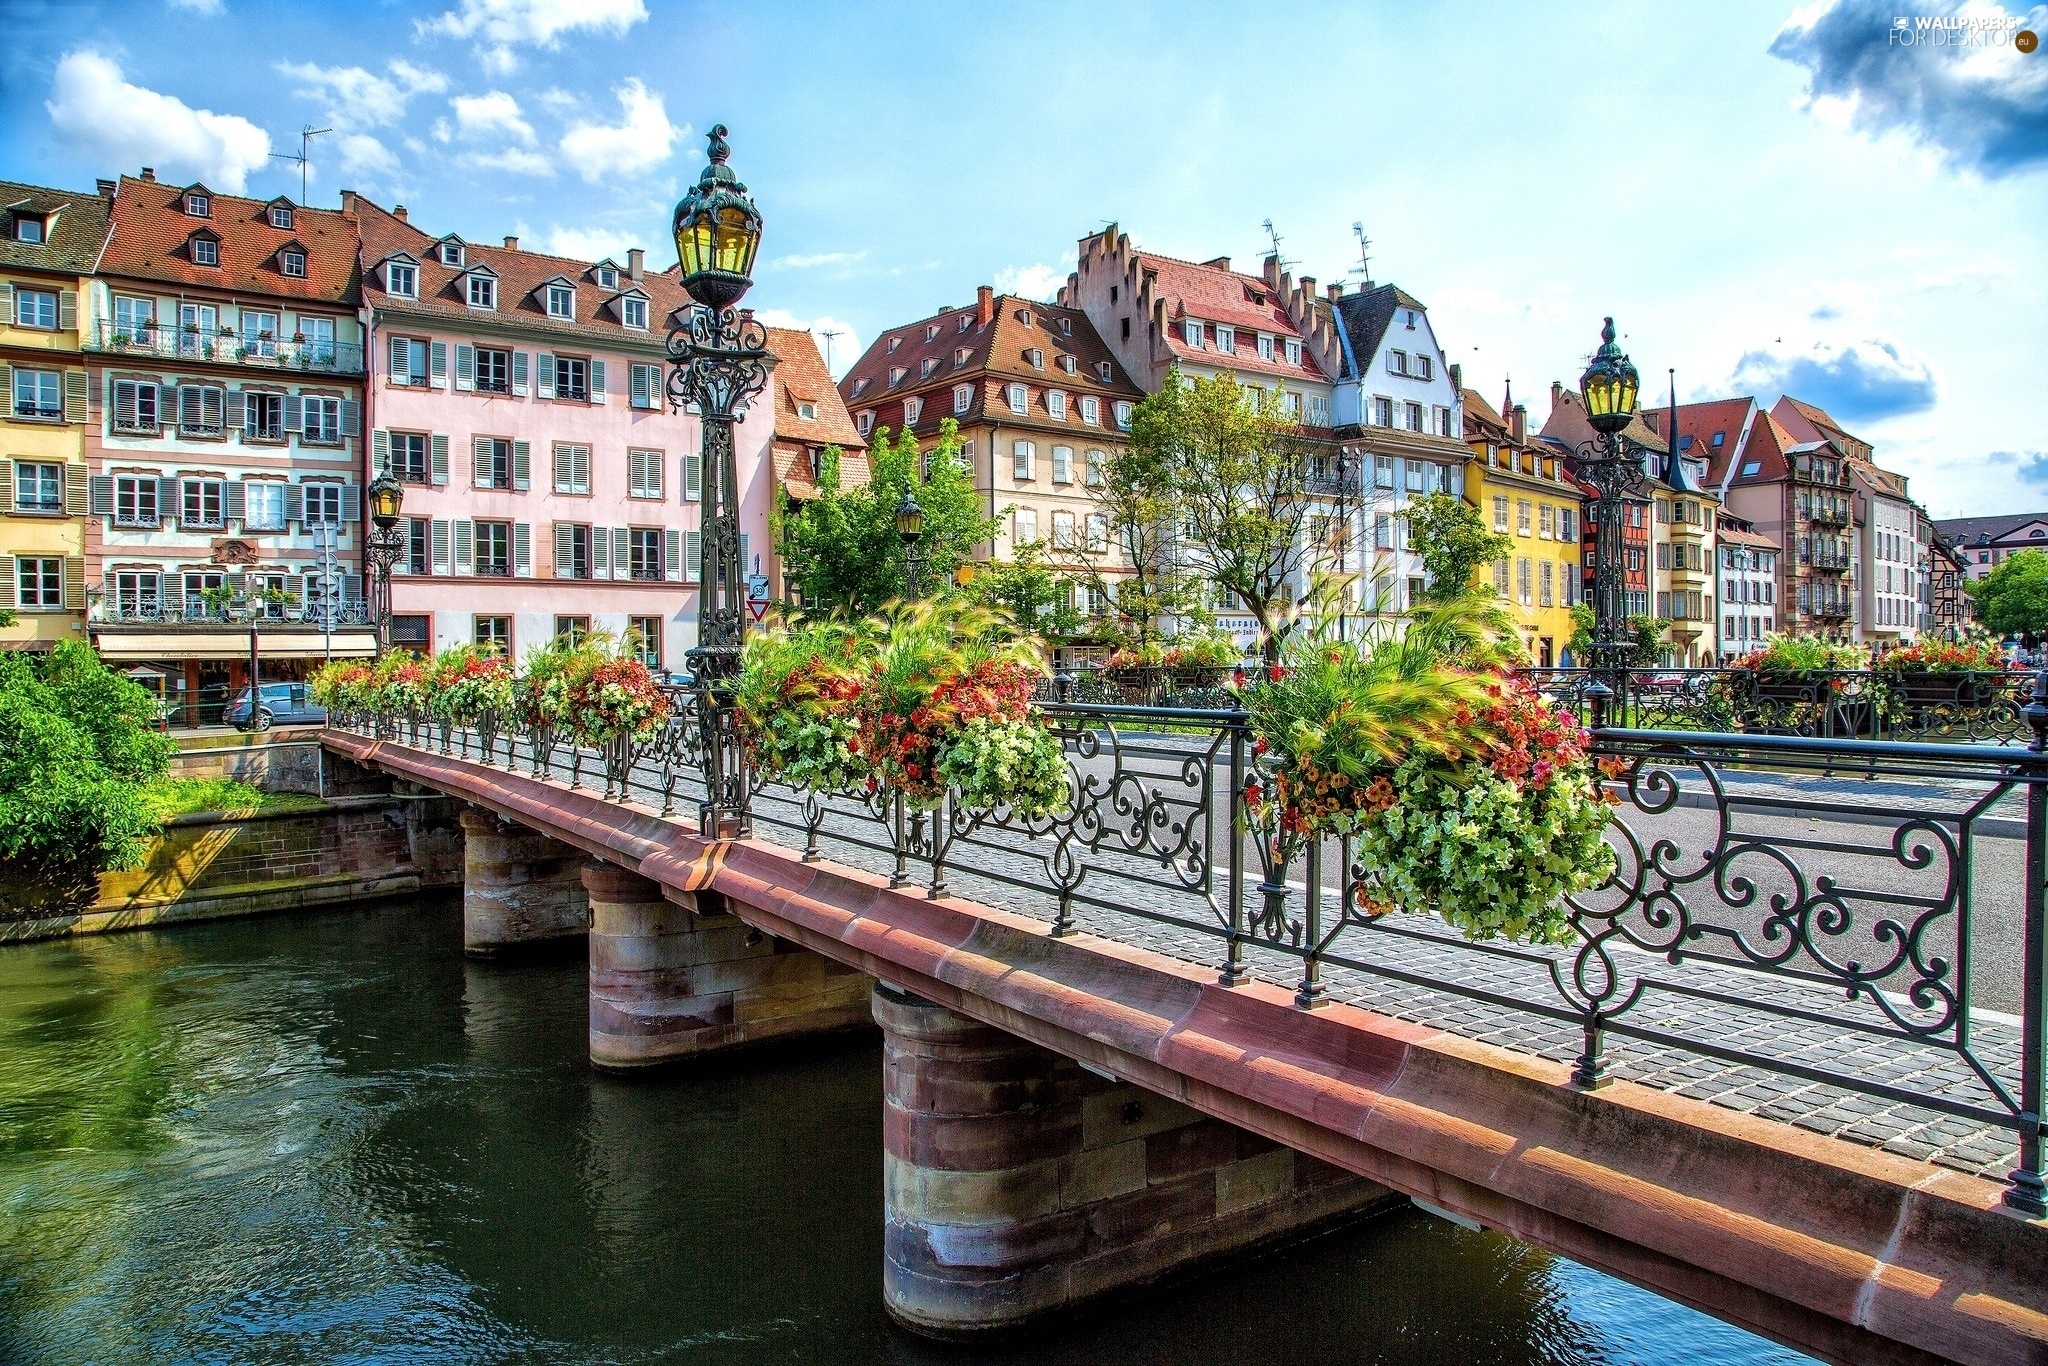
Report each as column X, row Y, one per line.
column 229, row 643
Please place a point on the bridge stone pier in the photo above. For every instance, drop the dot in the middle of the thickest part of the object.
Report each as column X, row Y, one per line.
column 1016, row 1183
column 519, row 887
column 674, row 976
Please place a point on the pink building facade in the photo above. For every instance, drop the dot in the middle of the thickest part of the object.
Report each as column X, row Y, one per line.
column 549, row 489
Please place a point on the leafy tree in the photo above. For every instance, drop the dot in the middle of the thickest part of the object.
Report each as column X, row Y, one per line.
column 1644, row 635
column 1136, row 501
column 2013, row 598
column 841, row 549
column 1028, row 589
column 1454, row 544
column 76, row 751
column 1235, row 471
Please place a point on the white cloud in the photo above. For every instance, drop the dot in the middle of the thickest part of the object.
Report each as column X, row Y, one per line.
column 502, row 25
column 840, row 351
column 516, row 160
column 558, row 99
column 362, row 99
column 482, row 116
column 822, row 258
column 205, row 8
column 362, row 155
column 116, row 123
column 1031, row 282
column 586, row 244
column 642, row 139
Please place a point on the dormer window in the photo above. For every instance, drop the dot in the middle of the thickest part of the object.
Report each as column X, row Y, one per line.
column 960, row 357
column 1066, row 327
column 483, row 292
column 1293, row 352
column 866, row 423
column 451, row 253
column 29, row 228
column 205, row 251
column 402, row 279
column 859, row 386
column 199, row 205
column 965, row 321
column 292, row 263
column 1102, row 371
column 608, row 278
column 894, row 342
column 896, row 373
column 1024, row 316
column 1069, row 364
column 633, row 312
column 1226, row 339
column 281, row 216
column 561, row 301
column 926, row 367
column 913, row 409
column 807, row 411
column 1265, row 346
column 931, row 331
column 1035, row 358
column 1191, row 333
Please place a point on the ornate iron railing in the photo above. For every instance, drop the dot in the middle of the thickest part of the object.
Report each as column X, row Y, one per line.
column 1803, row 925
column 169, row 341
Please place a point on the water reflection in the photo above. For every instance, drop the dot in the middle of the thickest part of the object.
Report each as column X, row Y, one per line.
column 332, row 1138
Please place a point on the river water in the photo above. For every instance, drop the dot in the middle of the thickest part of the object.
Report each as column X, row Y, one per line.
column 332, row 1138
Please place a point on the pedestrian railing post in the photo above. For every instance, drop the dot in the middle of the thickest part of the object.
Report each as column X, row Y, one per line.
column 2026, row 1190
column 1237, row 819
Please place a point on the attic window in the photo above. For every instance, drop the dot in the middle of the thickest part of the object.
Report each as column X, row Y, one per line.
column 925, row 368
column 1069, row 364
column 894, row 342
column 561, row 301
column 205, row 251
column 1293, row 352
column 29, row 228
column 607, row 278
column 1024, row 316
column 401, row 279
column 1035, row 358
column 1102, row 369
column 896, row 373
column 1719, row 437
column 807, row 411
column 280, row 216
column 292, row 263
column 931, row 330
column 965, row 321
column 483, row 292
column 1066, row 327
column 1253, row 296
column 1751, row 467
column 451, row 253
column 960, row 356
column 1411, row 320
column 859, row 385
column 633, row 312
column 199, row 205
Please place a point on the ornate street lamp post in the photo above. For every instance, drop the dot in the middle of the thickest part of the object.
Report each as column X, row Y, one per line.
column 910, row 526
column 1609, row 389
column 382, row 547
column 1343, row 547
column 717, row 361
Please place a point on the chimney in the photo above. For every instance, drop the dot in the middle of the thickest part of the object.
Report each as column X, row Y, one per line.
column 1336, row 292
column 636, row 262
column 1518, row 425
column 1308, row 286
column 398, row 212
column 1457, row 378
column 149, row 174
column 107, row 188
column 511, row 244
column 348, row 201
column 984, row 305
column 1270, row 268
column 1556, row 395
column 1219, row 263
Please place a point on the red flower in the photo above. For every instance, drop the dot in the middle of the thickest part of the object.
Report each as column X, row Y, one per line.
column 1274, row 673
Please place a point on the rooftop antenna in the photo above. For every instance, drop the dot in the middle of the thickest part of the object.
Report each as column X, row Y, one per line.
column 828, row 334
column 306, row 135
column 1364, row 254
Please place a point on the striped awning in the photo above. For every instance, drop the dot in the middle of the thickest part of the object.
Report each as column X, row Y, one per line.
column 229, row 643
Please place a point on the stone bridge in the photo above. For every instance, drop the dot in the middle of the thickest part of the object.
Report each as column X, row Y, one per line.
column 1077, row 1111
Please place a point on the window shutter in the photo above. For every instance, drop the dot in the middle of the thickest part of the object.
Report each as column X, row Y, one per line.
column 565, row 548
column 622, row 553
column 522, row 465
column 380, row 448
column 672, row 555
column 124, row 404
column 210, row 405
column 8, row 579
column 166, row 405
column 237, row 501
column 693, row 556
column 465, row 545
column 439, row 549
column 579, row 457
column 351, row 417
column 167, row 500
column 6, row 309
column 519, row 373
column 239, row 413
column 522, row 550
column 640, row 387
column 693, row 476
column 437, row 458
column 600, row 552
column 67, row 310
column 188, row 406
column 74, row 582
column 401, row 360
column 480, row 458
column 75, row 396
column 437, row 364
column 74, row 490
column 545, row 380
column 294, row 413
column 294, row 503
column 597, row 381
column 561, row 468
column 746, row 559
column 351, row 502
column 465, row 366
column 7, row 486
column 100, row 496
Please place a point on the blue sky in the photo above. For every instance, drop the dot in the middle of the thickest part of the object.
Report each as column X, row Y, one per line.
column 1763, row 197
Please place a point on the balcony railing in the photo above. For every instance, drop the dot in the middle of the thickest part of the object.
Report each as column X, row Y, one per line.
column 168, row 342
column 1829, row 516
column 1829, row 559
column 194, row 610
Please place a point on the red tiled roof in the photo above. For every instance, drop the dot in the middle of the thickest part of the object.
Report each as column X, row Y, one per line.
column 1701, row 420
column 1732, row 536
column 519, row 273
column 1213, row 293
column 801, row 377
column 152, row 235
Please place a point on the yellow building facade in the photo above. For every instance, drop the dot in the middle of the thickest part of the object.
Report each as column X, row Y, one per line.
column 50, row 241
column 1523, row 492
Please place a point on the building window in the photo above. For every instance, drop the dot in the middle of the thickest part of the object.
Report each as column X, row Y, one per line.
column 561, row 301
column 1500, row 513
column 29, row 228
column 135, row 595
column 645, row 543
column 321, row 422
column 572, row 377
column 1063, row 531
column 38, row 394
column 483, row 292
column 1422, row 367
column 204, row 505
column 1382, row 412
column 1098, row 533
column 1443, row 421
column 1023, row 460
column 1063, row 464
column 1018, row 397
column 408, row 362
column 1414, row 415
column 1546, row 522
column 38, row 487
column 1056, row 404
column 451, row 253
column 402, row 280
column 1191, row 332
column 1397, row 362
column 494, row 549
column 262, row 416
column 201, row 410
column 205, row 252
column 419, row 543
column 1091, row 468
column 572, row 630
column 293, row 263
column 409, row 457
column 1293, row 352
column 1547, row 594
column 493, row 634
column 493, row 370
column 323, row 504
column 263, row 505
column 493, row 460
column 866, row 423
column 572, row 551
column 1035, row 358
column 35, row 308
column 572, row 469
column 913, row 408
column 643, row 474
column 39, row 581
column 1265, row 346
column 1522, row 516
column 607, row 277
column 646, row 633
column 1026, row 527
column 1522, row 580
column 198, row 206
column 1091, row 411
column 963, row 397
column 633, row 312
column 1123, row 415
column 1226, row 339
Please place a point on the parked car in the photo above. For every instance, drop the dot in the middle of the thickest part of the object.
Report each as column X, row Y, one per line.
column 284, row 704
